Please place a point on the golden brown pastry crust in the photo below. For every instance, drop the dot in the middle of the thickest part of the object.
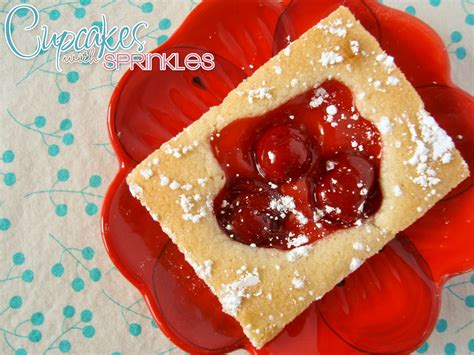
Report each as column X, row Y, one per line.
column 264, row 289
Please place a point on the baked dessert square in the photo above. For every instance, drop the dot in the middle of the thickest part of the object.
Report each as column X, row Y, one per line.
column 266, row 207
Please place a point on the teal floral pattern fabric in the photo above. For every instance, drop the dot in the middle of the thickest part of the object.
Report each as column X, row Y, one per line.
column 59, row 292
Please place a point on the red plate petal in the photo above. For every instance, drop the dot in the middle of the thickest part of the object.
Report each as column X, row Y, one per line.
column 188, row 308
column 418, row 50
column 239, row 31
column 157, row 106
column 153, row 106
column 444, row 235
column 129, row 232
column 307, row 334
column 375, row 310
column 453, row 108
column 301, row 15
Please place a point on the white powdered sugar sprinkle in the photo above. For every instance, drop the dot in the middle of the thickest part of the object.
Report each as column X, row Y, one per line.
column 296, row 253
column 331, row 110
column 187, row 205
column 233, row 292
column 355, row 264
column 202, row 181
column 330, row 58
column 335, row 27
column 260, row 93
column 434, row 135
column 297, row 283
column 300, row 217
column 434, row 144
column 384, row 125
column 172, row 151
column 283, row 204
column 358, row 246
column 271, row 156
column 397, row 191
column 392, row 81
column 135, row 190
column 319, row 97
column 386, row 60
column 298, row 241
column 174, row 185
column 286, row 204
column 164, row 180
column 355, row 47
column 177, row 152
column 147, row 173
column 204, row 271
column 187, row 187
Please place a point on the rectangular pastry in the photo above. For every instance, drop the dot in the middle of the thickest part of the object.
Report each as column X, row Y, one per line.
column 266, row 207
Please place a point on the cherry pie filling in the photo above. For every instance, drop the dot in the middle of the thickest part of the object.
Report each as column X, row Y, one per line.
column 299, row 172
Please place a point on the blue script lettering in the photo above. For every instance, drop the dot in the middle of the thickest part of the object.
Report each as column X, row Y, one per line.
column 98, row 36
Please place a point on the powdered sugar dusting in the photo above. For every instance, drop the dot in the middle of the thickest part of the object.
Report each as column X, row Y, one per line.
column 298, row 241
column 260, row 93
column 336, row 27
column 331, row 110
column 164, row 180
column 297, row 282
column 434, row 135
column 204, row 271
column 384, row 125
column 174, row 185
column 271, row 156
column 392, row 81
column 358, row 246
column 397, row 191
column 355, row 47
column 233, row 292
column 387, row 61
column 296, row 253
column 135, row 190
column 277, row 69
column 286, row 204
column 320, row 95
column 188, row 203
column 330, row 58
column 355, row 264
column 433, row 145
column 147, row 173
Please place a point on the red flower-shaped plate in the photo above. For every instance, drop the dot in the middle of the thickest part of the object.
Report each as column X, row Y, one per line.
column 391, row 303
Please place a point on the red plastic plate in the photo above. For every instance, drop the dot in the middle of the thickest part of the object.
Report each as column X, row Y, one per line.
column 391, row 303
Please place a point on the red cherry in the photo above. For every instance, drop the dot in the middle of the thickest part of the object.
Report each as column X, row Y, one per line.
column 252, row 221
column 244, row 212
column 283, row 152
column 344, row 188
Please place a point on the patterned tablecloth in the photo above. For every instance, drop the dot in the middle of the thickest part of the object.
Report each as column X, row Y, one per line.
column 58, row 289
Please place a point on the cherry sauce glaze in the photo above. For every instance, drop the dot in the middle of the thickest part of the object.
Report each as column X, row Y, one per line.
column 299, row 172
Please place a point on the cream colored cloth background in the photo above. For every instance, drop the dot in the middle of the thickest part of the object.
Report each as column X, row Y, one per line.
column 59, row 291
